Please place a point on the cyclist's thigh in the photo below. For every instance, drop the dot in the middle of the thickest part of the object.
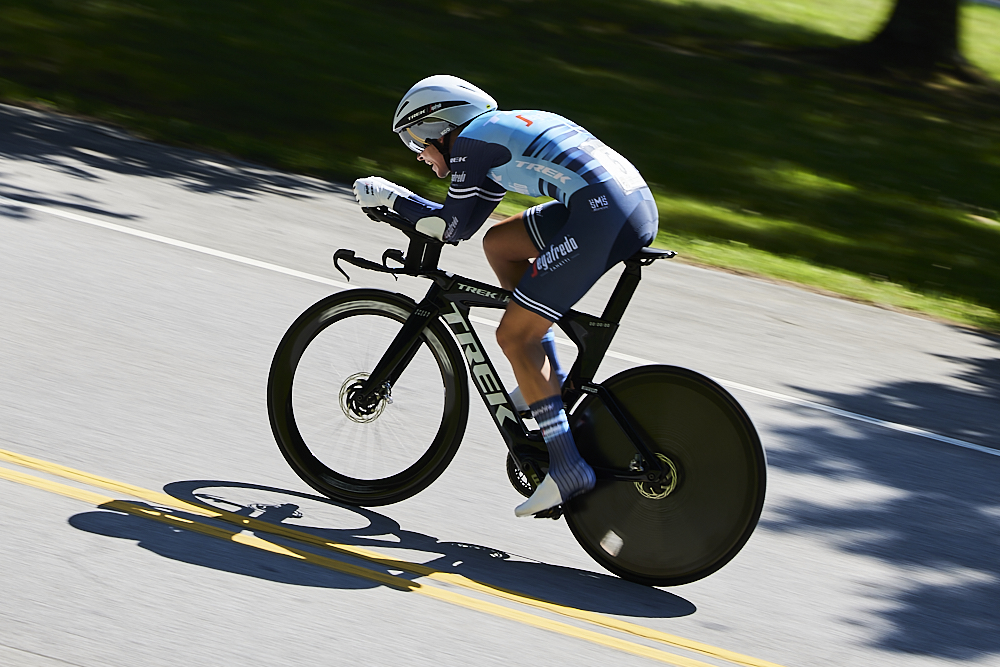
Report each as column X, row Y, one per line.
column 602, row 226
column 509, row 240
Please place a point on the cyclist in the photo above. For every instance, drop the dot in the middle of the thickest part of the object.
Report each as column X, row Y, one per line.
column 549, row 255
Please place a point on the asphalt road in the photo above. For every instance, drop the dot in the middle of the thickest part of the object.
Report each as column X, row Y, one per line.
column 143, row 290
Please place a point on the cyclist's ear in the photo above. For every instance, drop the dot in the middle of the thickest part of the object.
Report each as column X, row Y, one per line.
column 453, row 135
column 445, row 143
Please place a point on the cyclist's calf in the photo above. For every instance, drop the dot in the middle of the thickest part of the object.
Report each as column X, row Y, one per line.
column 520, row 337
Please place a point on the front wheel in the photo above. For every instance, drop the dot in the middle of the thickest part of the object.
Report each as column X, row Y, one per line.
column 694, row 522
column 372, row 452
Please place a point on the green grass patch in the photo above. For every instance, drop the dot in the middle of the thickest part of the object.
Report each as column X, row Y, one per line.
column 882, row 192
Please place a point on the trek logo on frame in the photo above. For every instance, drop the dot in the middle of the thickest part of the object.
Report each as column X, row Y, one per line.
column 481, row 371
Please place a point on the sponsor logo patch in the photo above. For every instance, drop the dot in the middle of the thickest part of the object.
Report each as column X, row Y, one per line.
column 451, row 227
column 417, row 114
column 458, row 177
column 555, row 256
column 542, row 169
column 599, row 203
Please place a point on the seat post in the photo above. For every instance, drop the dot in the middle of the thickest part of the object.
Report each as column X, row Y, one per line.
column 629, row 280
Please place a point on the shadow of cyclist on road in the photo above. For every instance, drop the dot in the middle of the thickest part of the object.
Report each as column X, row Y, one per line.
column 360, row 527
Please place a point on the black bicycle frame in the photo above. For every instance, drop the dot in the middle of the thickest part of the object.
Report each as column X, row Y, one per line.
column 450, row 297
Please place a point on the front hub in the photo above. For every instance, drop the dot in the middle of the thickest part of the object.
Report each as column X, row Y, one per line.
column 356, row 406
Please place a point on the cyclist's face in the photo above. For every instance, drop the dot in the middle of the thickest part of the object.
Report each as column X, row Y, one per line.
column 432, row 156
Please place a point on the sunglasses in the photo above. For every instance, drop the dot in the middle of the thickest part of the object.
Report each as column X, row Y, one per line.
column 417, row 136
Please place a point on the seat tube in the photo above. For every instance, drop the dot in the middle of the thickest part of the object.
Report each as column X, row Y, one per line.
column 593, row 338
column 627, row 283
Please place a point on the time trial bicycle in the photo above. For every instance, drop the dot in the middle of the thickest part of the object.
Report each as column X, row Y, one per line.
column 368, row 400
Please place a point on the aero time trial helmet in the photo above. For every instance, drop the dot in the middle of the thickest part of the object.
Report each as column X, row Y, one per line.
column 435, row 106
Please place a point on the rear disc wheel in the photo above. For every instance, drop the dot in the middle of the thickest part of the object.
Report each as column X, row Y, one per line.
column 697, row 518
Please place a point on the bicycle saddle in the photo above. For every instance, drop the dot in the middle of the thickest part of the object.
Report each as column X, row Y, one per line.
column 649, row 255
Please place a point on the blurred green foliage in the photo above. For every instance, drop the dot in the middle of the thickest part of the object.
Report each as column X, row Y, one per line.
column 760, row 161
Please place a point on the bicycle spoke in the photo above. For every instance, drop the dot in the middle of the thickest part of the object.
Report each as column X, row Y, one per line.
column 369, row 449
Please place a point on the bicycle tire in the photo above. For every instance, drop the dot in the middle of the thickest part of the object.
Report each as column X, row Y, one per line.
column 655, row 535
column 365, row 459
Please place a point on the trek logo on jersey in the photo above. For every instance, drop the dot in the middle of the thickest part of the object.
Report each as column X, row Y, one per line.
column 555, row 256
column 458, row 177
column 458, row 159
column 599, row 203
column 541, row 168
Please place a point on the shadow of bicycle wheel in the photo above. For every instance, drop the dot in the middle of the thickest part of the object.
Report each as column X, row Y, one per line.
column 365, row 528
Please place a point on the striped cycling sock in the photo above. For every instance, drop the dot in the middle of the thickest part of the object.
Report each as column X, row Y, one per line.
column 566, row 467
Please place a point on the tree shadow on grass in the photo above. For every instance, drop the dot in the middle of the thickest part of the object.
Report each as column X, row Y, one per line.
column 886, row 176
column 929, row 511
column 317, row 516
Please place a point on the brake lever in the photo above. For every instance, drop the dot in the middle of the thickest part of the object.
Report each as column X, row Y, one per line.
column 342, row 253
column 393, row 254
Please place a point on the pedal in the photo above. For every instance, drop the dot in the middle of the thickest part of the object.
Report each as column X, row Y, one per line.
column 551, row 513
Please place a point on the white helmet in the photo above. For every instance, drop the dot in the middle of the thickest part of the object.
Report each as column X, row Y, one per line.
column 435, row 106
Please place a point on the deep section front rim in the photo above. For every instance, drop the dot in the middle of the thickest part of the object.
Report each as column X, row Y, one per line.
column 398, row 441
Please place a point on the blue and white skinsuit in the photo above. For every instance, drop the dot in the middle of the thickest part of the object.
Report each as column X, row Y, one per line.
column 602, row 212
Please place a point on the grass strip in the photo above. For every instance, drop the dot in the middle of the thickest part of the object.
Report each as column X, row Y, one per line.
column 761, row 162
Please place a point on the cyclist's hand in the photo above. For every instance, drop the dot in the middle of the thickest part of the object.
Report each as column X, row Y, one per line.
column 375, row 191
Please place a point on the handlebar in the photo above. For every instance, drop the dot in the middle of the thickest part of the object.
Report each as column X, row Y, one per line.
column 390, row 217
column 421, row 256
column 424, row 251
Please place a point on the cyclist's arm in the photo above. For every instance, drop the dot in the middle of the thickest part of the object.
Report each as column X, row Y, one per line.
column 471, row 197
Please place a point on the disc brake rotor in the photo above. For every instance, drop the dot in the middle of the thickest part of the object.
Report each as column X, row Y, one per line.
column 661, row 489
column 362, row 412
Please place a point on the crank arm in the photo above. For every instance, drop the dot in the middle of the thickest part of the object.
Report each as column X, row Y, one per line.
column 619, row 475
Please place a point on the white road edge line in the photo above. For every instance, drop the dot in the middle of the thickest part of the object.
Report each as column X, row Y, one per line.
column 902, row 428
column 173, row 242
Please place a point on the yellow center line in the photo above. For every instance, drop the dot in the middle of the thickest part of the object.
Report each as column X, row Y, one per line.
column 396, row 582
column 388, row 562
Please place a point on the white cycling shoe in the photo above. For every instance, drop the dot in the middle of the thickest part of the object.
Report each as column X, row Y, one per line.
column 546, row 496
